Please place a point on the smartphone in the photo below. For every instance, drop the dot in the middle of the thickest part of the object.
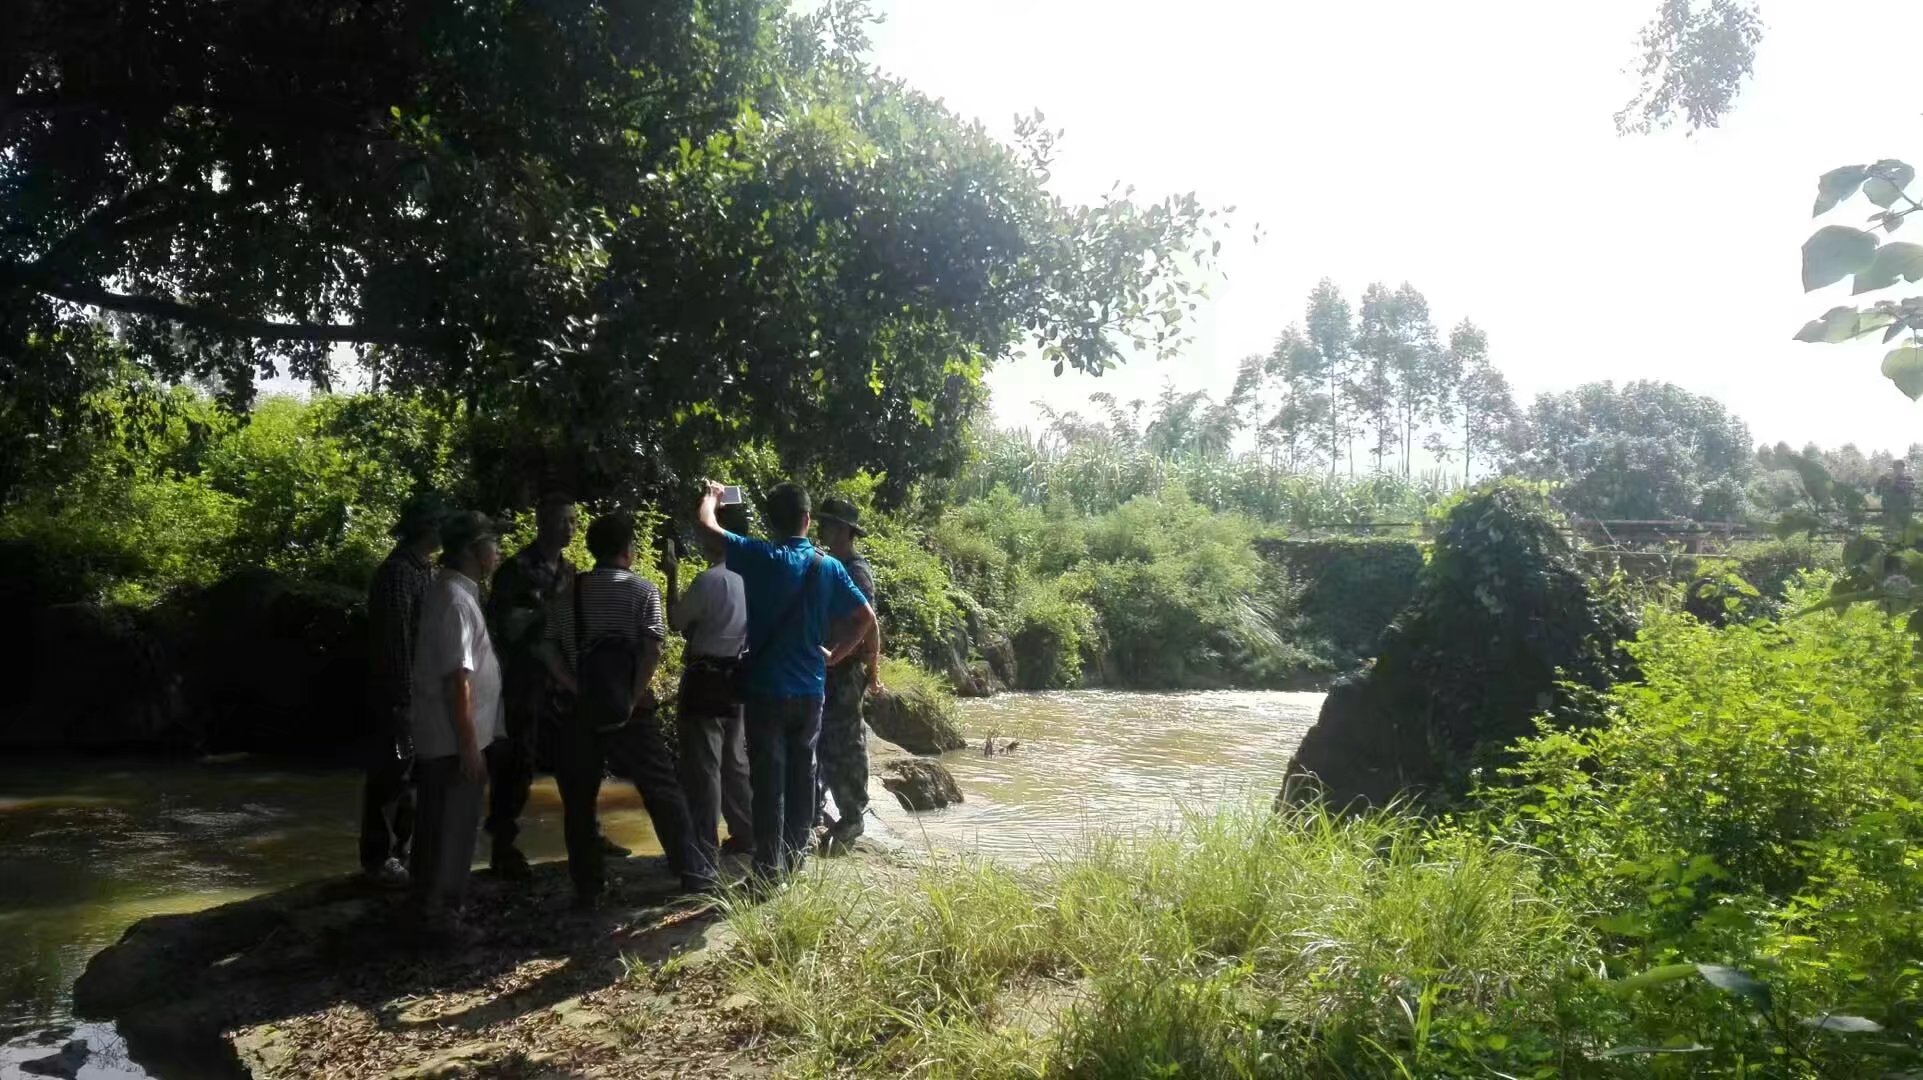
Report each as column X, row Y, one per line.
column 731, row 495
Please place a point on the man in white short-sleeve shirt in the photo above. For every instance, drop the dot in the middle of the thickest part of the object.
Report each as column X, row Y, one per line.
column 456, row 714
column 714, row 746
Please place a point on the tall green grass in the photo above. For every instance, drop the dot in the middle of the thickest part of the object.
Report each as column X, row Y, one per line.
column 1241, row 943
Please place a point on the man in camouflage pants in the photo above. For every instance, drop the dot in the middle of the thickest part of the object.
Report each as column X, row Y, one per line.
column 843, row 748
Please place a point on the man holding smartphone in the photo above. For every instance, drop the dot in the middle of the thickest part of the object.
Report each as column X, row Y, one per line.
column 804, row 612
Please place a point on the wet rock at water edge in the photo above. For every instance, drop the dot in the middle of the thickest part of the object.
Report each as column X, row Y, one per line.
column 919, row 784
column 917, row 721
column 65, row 1062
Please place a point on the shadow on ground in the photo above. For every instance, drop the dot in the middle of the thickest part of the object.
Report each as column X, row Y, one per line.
column 322, row 978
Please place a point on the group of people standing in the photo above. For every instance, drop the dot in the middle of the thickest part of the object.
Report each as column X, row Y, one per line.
column 782, row 645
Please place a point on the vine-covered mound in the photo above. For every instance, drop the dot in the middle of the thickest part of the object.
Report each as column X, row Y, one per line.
column 1502, row 628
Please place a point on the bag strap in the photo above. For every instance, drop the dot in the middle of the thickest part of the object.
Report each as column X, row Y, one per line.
column 787, row 613
column 580, row 632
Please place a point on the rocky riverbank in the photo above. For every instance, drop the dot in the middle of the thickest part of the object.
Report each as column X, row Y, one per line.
column 322, row 979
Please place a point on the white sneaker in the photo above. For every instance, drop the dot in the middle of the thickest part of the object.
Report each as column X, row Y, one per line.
column 389, row 875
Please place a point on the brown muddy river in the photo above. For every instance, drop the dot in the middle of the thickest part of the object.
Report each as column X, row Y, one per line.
column 88, row 848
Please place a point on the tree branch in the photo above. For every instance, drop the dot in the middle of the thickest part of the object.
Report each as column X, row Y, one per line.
column 221, row 322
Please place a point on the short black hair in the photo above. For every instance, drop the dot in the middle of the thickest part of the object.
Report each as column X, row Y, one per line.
column 554, row 500
column 788, row 509
column 609, row 536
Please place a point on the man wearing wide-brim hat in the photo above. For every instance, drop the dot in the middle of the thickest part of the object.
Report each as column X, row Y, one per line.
column 843, row 748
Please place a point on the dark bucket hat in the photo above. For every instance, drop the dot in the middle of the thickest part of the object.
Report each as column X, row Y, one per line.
column 466, row 527
column 420, row 513
column 842, row 511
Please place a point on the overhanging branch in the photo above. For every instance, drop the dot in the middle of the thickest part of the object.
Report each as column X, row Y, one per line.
column 221, row 322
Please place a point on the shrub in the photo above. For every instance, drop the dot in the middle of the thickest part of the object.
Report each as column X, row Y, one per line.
column 1185, row 600
column 1752, row 803
column 1350, row 589
column 1054, row 634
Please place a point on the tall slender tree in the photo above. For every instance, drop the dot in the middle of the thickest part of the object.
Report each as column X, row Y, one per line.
column 1331, row 355
column 1489, row 411
column 1298, row 417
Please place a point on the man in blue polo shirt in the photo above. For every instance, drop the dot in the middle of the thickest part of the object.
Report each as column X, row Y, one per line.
column 804, row 613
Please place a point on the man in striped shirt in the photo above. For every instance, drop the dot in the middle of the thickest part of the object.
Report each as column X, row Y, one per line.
column 612, row 604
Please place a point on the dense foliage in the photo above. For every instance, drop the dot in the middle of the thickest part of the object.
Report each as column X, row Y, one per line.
column 1640, row 452
column 629, row 235
column 1719, row 879
column 178, row 493
column 1751, row 802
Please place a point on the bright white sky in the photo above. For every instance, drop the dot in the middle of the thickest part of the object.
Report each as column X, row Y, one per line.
column 1466, row 146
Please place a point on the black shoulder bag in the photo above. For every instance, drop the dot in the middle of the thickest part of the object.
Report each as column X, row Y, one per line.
column 605, row 674
column 746, row 666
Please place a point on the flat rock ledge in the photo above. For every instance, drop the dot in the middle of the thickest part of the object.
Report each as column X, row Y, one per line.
column 321, row 980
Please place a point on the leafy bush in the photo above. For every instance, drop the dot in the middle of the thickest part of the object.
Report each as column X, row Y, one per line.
column 1752, row 802
column 1772, row 565
column 1350, row 589
column 180, row 494
column 1185, row 600
column 1503, row 627
column 1055, row 633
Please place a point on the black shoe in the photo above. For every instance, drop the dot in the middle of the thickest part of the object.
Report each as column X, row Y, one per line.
column 586, row 903
column 509, row 864
column 613, row 850
column 758, row 887
column 841, row 839
column 737, row 845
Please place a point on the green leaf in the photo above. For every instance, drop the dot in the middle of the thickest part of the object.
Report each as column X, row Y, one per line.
column 1898, row 259
column 1881, row 192
column 1836, row 1022
column 1741, row 984
column 1904, row 367
column 1840, row 324
column 1834, row 253
column 1836, row 185
column 1657, row 976
column 1895, row 172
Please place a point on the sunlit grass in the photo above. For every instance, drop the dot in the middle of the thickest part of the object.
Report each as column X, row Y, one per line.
column 1239, row 943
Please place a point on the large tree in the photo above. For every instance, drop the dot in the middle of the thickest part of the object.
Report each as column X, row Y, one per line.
column 1695, row 56
column 1490, row 420
column 620, row 234
column 1329, row 360
column 1642, row 451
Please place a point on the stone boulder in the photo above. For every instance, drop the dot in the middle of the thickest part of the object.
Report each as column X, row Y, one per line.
column 278, row 666
column 94, row 678
column 1501, row 624
column 920, row 783
column 921, row 719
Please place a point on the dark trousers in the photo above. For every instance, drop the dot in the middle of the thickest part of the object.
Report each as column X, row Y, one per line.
column 714, row 777
column 843, row 748
column 446, row 820
column 387, row 805
column 635, row 752
column 781, row 769
column 510, row 777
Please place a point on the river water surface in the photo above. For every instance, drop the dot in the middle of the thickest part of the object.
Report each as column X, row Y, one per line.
column 88, row 848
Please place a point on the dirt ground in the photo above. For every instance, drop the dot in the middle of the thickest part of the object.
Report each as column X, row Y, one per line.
column 321, row 981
